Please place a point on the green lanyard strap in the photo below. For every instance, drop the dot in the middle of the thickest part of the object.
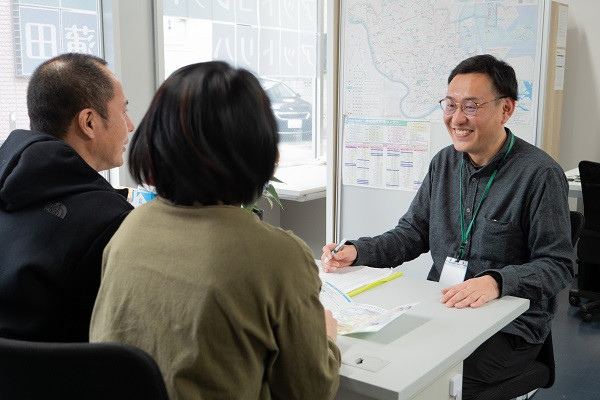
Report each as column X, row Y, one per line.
column 465, row 234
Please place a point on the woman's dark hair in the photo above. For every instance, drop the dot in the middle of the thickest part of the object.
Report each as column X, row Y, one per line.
column 502, row 75
column 209, row 137
column 63, row 86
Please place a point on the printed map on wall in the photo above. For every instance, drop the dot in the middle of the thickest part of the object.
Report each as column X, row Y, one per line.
column 398, row 55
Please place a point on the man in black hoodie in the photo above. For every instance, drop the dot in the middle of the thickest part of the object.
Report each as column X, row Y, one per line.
column 57, row 213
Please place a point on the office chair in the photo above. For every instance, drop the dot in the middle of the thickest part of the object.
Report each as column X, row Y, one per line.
column 75, row 371
column 541, row 372
column 588, row 256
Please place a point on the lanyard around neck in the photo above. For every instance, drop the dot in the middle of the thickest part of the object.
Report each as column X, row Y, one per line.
column 465, row 234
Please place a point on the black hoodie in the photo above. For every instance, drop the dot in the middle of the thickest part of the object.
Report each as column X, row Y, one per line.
column 56, row 216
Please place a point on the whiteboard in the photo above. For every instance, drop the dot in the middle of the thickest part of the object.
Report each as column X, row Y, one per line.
column 395, row 58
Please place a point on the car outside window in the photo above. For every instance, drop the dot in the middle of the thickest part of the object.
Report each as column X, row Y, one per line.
column 279, row 41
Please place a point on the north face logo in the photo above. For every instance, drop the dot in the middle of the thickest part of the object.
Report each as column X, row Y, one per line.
column 58, row 209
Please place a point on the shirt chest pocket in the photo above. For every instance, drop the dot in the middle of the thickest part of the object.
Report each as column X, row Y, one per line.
column 499, row 241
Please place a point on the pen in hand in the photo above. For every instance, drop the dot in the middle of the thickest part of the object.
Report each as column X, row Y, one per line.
column 335, row 250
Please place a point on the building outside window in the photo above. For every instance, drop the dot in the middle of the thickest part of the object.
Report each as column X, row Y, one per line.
column 32, row 31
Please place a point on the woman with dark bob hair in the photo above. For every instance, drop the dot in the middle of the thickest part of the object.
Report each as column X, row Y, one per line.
column 226, row 304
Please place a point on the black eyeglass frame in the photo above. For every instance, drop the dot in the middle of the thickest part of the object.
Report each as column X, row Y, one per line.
column 462, row 106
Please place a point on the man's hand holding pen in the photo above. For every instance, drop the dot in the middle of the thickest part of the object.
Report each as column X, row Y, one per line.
column 337, row 256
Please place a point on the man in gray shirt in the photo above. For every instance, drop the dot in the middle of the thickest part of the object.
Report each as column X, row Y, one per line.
column 493, row 212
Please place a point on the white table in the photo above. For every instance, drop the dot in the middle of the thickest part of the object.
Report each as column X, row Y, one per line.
column 301, row 183
column 575, row 188
column 415, row 356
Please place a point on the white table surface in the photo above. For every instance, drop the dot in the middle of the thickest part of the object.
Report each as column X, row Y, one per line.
column 422, row 344
column 574, row 187
column 302, row 182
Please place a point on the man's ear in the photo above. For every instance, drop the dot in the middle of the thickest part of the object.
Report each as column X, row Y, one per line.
column 508, row 108
column 87, row 121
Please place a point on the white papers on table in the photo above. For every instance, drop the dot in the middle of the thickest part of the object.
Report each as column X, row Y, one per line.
column 351, row 278
column 356, row 317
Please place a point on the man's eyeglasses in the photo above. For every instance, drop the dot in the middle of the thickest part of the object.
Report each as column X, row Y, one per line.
column 468, row 107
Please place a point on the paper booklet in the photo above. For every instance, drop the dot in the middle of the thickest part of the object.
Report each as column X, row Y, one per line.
column 355, row 280
column 356, row 317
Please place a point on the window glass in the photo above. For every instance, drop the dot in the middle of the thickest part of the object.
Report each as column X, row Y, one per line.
column 32, row 31
column 276, row 40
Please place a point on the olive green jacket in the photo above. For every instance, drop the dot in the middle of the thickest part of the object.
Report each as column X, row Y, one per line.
column 227, row 305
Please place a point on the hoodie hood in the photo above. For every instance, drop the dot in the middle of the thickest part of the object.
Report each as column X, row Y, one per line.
column 36, row 168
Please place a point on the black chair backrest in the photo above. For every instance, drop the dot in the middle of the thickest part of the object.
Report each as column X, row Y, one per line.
column 587, row 250
column 91, row 371
column 589, row 172
column 546, row 357
column 577, row 223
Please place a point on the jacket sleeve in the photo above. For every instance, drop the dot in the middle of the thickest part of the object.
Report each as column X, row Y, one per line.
column 550, row 266
column 308, row 362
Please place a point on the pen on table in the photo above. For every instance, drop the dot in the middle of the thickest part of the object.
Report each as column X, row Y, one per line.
column 335, row 250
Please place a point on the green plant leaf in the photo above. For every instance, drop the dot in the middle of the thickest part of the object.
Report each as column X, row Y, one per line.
column 273, row 194
column 270, row 195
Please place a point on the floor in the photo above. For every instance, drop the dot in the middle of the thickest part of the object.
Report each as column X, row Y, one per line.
column 577, row 355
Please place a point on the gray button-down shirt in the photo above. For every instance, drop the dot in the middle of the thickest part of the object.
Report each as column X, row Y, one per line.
column 521, row 234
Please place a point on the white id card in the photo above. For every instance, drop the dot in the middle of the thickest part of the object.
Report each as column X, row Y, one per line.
column 454, row 271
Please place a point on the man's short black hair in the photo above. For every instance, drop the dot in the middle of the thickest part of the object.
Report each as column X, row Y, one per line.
column 209, row 137
column 63, row 86
column 501, row 73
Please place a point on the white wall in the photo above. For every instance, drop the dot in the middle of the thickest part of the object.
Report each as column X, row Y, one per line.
column 580, row 124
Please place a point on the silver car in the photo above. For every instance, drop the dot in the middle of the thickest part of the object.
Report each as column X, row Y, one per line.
column 292, row 113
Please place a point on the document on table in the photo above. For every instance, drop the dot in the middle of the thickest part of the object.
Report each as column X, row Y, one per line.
column 356, row 317
column 354, row 280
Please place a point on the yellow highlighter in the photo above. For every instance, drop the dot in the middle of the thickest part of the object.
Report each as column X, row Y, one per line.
column 374, row 284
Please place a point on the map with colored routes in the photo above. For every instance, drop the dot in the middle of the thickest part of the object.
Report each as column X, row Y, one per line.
column 398, row 53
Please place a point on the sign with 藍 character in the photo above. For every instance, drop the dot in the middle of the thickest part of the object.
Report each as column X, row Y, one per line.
column 80, row 33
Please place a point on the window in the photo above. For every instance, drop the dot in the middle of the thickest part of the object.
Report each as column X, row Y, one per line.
column 32, row 31
column 279, row 41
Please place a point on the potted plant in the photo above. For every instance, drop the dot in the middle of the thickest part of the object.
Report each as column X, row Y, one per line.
column 270, row 194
